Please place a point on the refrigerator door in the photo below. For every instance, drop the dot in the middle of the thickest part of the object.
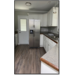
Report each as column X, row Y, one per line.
column 37, row 33
column 31, row 31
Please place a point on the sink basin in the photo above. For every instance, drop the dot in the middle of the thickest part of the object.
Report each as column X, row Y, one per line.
column 51, row 34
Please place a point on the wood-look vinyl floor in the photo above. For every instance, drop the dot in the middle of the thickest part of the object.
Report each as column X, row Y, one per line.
column 27, row 60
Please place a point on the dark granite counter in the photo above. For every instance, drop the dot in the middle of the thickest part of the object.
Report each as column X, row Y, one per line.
column 55, row 39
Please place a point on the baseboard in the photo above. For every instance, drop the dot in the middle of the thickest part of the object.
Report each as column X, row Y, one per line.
column 23, row 44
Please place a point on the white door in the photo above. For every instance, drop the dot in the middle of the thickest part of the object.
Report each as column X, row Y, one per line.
column 23, row 30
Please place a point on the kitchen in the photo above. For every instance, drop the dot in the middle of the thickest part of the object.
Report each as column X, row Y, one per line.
column 45, row 58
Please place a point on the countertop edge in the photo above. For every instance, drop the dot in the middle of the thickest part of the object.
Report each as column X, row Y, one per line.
column 49, row 38
column 48, row 63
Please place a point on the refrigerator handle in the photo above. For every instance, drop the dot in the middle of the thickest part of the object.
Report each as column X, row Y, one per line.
column 34, row 30
column 33, row 33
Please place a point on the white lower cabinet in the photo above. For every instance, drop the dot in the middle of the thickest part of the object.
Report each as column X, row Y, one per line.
column 44, row 42
column 47, row 43
column 46, row 46
column 51, row 44
column 47, row 69
column 41, row 40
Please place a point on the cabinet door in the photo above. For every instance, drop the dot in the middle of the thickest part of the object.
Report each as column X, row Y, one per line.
column 41, row 19
column 51, row 17
column 48, row 18
column 58, row 20
column 46, row 46
column 41, row 40
column 45, row 20
column 44, row 42
column 55, row 17
column 51, row 43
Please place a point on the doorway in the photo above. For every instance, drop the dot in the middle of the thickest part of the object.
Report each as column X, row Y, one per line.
column 23, row 30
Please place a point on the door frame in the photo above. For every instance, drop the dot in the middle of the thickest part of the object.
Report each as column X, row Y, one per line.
column 27, row 22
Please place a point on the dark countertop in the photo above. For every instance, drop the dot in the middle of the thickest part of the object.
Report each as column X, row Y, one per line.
column 52, row 37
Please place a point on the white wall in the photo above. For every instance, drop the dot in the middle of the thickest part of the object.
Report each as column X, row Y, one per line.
column 16, row 17
column 25, row 13
column 58, row 20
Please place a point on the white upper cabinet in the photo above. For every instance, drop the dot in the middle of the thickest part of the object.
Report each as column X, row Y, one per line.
column 42, row 17
column 44, row 20
column 48, row 18
column 55, row 17
column 58, row 20
column 52, row 17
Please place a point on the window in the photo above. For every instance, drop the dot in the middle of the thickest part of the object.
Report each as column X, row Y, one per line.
column 23, row 24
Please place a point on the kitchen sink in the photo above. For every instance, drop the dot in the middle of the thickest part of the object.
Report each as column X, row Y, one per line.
column 51, row 34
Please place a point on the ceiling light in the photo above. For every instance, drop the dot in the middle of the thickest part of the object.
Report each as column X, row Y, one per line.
column 28, row 3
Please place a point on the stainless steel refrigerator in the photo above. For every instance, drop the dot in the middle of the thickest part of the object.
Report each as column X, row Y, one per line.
column 34, row 33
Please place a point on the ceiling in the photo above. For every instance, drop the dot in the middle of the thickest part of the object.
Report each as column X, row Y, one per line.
column 35, row 5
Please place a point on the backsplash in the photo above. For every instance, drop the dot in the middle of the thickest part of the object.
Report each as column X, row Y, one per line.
column 49, row 29
column 53, row 29
column 44, row 29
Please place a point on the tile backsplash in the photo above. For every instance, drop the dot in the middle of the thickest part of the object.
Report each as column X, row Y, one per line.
column 49, row 29
column 44, row 29
column 53, row 29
